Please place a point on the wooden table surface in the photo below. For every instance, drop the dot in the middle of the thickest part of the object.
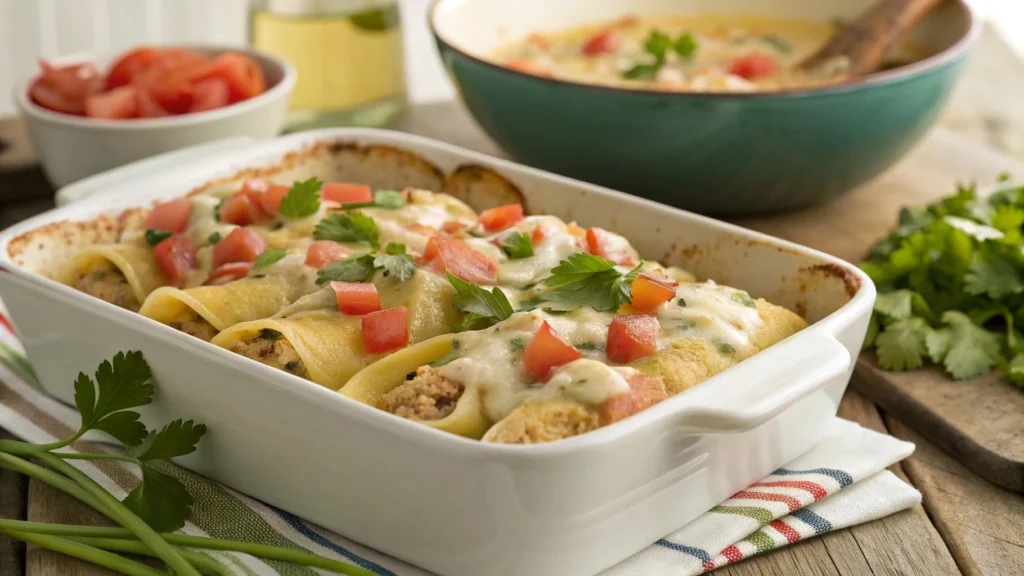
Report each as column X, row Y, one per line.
column 965, row 526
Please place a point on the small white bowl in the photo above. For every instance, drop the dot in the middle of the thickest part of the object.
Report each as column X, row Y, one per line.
column 73, row 147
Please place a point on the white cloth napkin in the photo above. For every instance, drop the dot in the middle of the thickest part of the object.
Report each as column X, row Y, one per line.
column 840, row 482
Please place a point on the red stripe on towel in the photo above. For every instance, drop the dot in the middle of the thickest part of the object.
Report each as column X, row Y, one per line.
column 815, row 489
column 793, row 503
column 786, row 530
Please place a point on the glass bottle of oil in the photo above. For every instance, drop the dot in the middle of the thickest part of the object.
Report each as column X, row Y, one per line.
column 348, row 54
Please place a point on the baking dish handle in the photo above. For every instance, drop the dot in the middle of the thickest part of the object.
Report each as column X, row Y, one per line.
column 786, row 373
column 208, row 151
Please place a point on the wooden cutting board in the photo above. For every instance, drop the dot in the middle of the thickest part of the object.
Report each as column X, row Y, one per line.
column 980, row 422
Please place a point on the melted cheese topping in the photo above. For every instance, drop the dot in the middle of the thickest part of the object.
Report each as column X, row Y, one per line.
column 722, row 316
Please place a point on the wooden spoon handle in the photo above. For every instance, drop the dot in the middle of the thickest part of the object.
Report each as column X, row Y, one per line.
column 866, row 40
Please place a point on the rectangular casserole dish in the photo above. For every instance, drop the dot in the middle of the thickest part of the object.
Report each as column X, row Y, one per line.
column 447, row 504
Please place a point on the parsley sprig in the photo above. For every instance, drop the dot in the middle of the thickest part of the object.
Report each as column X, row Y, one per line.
column 951, row 286
column 482, row 307
column 658, row 44
column 587, row 280
column 302, row 200
column 268, row 257
column 159, row 504
column 361, row 268
column 517, row 245
column 348, row 227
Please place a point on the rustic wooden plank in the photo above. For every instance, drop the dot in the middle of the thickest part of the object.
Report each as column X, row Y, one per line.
column 982, row 524
column 47, row 504
column 13, row 504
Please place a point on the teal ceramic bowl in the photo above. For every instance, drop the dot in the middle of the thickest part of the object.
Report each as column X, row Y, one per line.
column 715, row 153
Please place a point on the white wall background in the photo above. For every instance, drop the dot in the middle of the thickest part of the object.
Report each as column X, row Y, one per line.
column 30, row 29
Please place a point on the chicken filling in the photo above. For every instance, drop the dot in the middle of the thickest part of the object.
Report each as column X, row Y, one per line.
column 193, row 324
column 270, row 347
column 426, row 396
column 108, row 283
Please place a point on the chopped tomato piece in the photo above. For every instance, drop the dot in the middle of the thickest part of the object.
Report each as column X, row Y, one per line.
column 547, row 351
column 115, row 104
column 539, row 234
column 601, row 43
column 175, row 96
column 75, row 81
column 229, row 272
column 651, row 291
column 170, row 216
column 53, row 99
column 271, row 200
column 600, row 243
column 644, row 391
column 753, row 66
column 209, row 94
column 345, row 193
column 242, row 74
column 323, row 252
column 453, row 227
column 385, row 330
column 356, row 298
column 177, row 258
column 239, row 210
column 496, row 219
column 631, row 337
column 127, row 66
column 241, row 245
column 147, row 106
column 446, row 254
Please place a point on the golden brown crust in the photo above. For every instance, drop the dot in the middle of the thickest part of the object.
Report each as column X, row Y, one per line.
column 482, row 188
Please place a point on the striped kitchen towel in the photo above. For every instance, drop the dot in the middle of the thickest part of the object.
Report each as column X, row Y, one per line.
column 840, row 482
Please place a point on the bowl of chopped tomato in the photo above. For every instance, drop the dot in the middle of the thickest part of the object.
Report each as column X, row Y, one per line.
column 88, row 115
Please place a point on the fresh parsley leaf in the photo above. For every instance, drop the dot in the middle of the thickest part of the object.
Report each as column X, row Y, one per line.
column 589, row 345
column 657, row 43
column 1015, row 370
column 447, row 358
column 122, row 384
column 394, row 248
column 642, row 72
column 302, row 200
column 381, row 199
column 964, row 348
column 994, row 275
column 587, row 280
column 686, row 46
column 901, row 345
column 401, row 266
column 176, row 439
column 268, row 257
column 214, row 238
column 348, row 227
column 482, row 308
column 517, row 245
column 155, row 236
column 352, row 269
column 895, row 305
column 161, row 500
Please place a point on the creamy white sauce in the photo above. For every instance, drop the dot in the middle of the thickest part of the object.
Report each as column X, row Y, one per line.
column 557, row 245
column 428, row 216
column 292, row 266
column 202, row 223
column 722, row 316
column 591, row 381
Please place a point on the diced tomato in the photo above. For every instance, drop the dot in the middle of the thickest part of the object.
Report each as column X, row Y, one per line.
column 323, row 252
column 239, row 210
column 115, row 104
column 75, row 81
column 147, row 106
column 170, row 216
column 256, row 189
column 229, row 272
column 599, row 243
column 601, row 43
column 496, row 219
column 539, row 234
column 345, row 193
column 53, row 99
column 127, row 66
column 754, row 66
column 356, row 298
column 241, row 245
column 644, row 391
column 242, row 74
column 446, row 254
column 177, row 258
column 453, row 227
column 547, row 351
column 385, row 330
column 631, row 337
column 209, row 95
column 651, row 290
column 271, row 200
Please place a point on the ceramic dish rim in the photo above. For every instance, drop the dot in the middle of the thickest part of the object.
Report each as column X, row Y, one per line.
column 411, row 431
column 896, row 75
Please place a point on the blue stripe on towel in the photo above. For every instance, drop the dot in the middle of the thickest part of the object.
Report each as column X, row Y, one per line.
column 843, row 478
column 819, row 524
column 695, row 552
column 304, row 529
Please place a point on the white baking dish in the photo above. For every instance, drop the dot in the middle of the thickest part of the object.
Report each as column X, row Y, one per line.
column 448, row 504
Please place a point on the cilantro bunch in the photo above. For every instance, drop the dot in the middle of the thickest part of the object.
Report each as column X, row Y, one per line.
column 158, row 505
column 950, row 279
column 658, row 44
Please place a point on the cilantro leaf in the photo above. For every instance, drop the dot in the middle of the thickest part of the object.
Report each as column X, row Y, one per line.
column 359, row 268
column 155, row 236
column 348, row 227
column 657, row 43
column 176, row 439
column 587, row 280
column 517, row 245
column 1015, row 370
column 901, row 346
column 381, row 199
column 686, row 46
column 394, row 248
column 482, row 308
column 161, row 500
column 268, row 257
column 964, row 348
column 401, row 266
column 895, row 305
column 994, row 275
column 122, row 384
column 642, row 72
column 302, row 200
